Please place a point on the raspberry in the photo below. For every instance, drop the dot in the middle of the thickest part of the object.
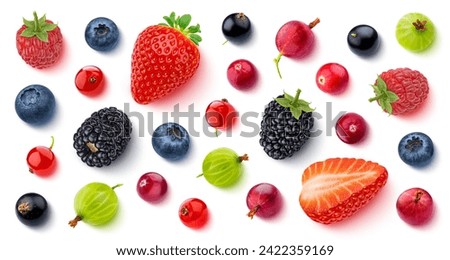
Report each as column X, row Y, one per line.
column 400, row 90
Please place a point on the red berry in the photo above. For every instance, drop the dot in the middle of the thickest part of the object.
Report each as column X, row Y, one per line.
column 242, row 74
column 351, row 128
column 152, row 187
column 415, row 206
column 90, row 80
column 41, row 160
column 220, row 114
column 193, row 213
column 294, row 39
column 39, row 42
column 400, row 90
column 332, row 78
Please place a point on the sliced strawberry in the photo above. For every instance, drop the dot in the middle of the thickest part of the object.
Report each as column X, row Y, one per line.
column 334, row 189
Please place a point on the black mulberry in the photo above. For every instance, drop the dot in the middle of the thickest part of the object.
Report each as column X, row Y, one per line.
column 102, row 137
column 286, row 126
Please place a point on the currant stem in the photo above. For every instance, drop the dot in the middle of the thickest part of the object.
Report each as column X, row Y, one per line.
column 277, row 61
column 73, row 223
column 52, row 143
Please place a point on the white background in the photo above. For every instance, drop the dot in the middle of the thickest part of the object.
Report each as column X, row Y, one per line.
column 374, row 232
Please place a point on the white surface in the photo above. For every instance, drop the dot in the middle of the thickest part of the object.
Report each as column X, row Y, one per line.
column 374, row 232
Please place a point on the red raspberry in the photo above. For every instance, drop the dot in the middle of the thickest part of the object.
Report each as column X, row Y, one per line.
column 400, row 90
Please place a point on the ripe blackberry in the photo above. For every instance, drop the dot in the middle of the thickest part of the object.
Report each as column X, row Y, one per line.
column 102, row 137
column 286, row 126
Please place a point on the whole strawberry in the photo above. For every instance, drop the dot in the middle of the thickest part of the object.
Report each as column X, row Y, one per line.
column 400, row 90
column 39, row 42
column 164, row 58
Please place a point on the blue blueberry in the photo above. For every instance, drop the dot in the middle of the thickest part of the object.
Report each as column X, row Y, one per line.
column 102, row 34
column 416, row 149
column 171, row 141
column 35, row 104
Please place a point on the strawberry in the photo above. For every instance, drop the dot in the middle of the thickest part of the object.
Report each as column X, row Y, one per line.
column 39, row 42
column 165, row 57
column 335, row 189
column 400, row 90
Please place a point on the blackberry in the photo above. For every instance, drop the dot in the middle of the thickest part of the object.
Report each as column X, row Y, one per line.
column 102, row 137
column 286, row 126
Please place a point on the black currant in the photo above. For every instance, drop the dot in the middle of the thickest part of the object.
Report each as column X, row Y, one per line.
column 236, row 27
column 31, row 209
column 363, row 40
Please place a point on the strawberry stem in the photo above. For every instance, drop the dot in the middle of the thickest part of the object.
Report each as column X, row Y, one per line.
column 181, row 23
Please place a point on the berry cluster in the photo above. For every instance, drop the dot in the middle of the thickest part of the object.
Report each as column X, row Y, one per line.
column 165, row 57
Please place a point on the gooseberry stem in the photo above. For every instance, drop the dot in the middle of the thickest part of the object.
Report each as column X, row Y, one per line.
column 243, row 158
column 73, row 223
column 115, row 186
column 253, row 212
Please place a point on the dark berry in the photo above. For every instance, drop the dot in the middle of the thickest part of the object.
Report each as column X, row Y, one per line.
column 363, row 40
column 286, row 126
column 416, row 149
column 171, row 141
column 102, row 34
column 236, row 27
column 102, row 137
column 35, row 104
column 31, row 209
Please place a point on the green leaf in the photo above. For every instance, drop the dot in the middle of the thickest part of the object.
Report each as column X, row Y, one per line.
column 391, row 97
column 288, row 97
column 284, row 102
column 195, row 38
column 194, row 28
column 164, row 24
column 28, row 32
column 43, row 19
column 43, row 36
column 305, row 106
column 184, row 21
column 28, row 24
column 168, row 20
column 381, row 84
column 49, row 27
column 296, row 113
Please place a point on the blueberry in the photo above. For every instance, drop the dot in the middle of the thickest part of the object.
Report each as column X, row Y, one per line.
column 31, row 209
column 416, row 149
column 171, row 141
column 102, row 34
column 35, row 104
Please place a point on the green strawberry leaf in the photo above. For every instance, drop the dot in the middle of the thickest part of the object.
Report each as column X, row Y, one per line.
column 296, row 105
column 184, row 21
column 181, row 23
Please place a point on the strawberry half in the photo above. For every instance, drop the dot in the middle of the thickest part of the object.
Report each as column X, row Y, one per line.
column 335, row 189
column 165, row 57
column 39, row 42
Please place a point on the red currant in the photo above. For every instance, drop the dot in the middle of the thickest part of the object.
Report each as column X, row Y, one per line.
column 220, row 114
column 152, row 187
column 351, row 128
column 242, row 74
column 193, row 213
column 90, row 80
column 41, row 160
column 332, row 78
